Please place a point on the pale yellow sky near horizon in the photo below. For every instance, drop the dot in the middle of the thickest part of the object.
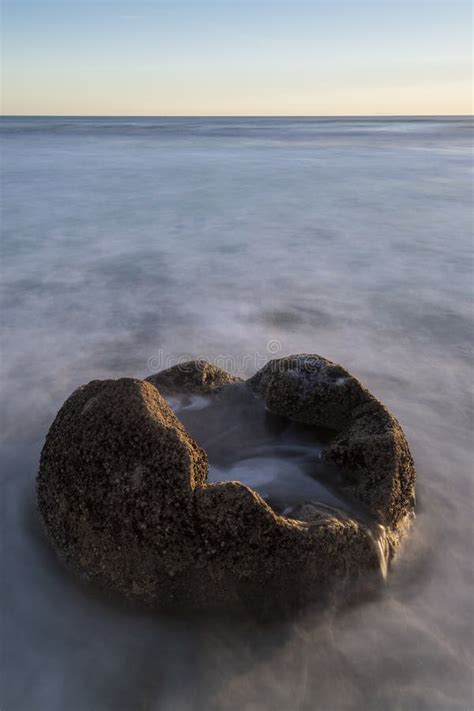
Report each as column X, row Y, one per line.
column 376, row 102
column 152, row 57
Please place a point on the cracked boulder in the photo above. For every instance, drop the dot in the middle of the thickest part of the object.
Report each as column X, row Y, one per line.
column 124, row 497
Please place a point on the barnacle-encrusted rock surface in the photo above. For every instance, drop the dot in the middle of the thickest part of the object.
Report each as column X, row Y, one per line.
column 123, row 494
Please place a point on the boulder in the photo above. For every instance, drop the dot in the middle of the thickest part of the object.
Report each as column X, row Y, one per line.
column 123, row 495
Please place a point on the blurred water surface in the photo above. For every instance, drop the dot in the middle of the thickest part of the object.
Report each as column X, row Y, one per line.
column 129, row 243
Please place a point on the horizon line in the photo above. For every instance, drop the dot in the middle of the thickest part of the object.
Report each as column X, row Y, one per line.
column 378, row 115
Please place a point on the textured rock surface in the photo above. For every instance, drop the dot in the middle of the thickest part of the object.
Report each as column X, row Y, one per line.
column 114, row 486
column 370, row 444
column 194, row 376
column 309, row 389
column 123, row 495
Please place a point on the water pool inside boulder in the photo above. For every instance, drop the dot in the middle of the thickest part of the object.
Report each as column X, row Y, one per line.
column 278, row 458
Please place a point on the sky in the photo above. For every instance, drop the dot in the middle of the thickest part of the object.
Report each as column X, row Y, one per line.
column 236, row 57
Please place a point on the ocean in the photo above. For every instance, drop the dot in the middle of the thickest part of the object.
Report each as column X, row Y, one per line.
column 129, row 244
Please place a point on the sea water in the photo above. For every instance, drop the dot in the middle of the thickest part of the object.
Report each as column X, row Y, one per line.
column 129, row 244
column 281, row 460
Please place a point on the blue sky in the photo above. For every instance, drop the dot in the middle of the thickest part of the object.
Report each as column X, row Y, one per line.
column 228, row 57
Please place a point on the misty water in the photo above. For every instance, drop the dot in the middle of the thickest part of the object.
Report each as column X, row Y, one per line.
column 281, row 460
column 129, row 244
